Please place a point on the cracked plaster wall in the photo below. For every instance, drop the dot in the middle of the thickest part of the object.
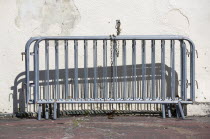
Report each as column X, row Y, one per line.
column 47, row 17
column 22, row 19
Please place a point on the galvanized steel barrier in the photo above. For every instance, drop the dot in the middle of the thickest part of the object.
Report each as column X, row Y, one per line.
column 111, row 82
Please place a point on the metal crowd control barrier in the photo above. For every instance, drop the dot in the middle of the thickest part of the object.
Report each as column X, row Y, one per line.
column 112, row 82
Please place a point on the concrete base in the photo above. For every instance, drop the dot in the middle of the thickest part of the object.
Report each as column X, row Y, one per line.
column 199, row 109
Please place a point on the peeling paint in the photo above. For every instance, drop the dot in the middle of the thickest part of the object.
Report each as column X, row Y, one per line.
column 46, row 17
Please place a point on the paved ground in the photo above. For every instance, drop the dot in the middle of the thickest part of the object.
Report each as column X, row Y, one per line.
column 102, row 127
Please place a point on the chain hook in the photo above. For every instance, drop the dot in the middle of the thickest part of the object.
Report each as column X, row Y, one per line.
column 118, row 24
column 23, row 53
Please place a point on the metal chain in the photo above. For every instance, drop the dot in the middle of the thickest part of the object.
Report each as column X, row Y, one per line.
column 111, row 53
column 118, row 24
column 112, row 38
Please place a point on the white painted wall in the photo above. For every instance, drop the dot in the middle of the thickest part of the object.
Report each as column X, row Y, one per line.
column 22, row 19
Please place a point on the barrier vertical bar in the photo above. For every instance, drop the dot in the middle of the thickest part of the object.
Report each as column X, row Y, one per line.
column 47, row 78
column 85, row 70
column 36, row 70
column 124, row 71
column 144, row 69
column 27, row 62
column 57, row 88
column 181, row 70
column 184, row 71
column 134, row 69
column 105, row 69
column 172, row 65
column 76, row 69
column 95, row 91
column 114, row 70
column 163, row 93
column 153, row 69
column 38, row 93
column 47, row 69
column 66, row 69
column 172, row 62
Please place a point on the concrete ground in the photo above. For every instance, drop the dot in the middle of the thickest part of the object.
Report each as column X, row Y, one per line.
column 104, row 127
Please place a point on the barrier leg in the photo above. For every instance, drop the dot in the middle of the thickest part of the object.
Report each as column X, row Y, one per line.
column 163, row 111
column 177, row 111
column 50, row 110
column 169, row 110
column 47, row 111
column 39, row 111
column 58, row 110
column 181, row 110
column 55, row 111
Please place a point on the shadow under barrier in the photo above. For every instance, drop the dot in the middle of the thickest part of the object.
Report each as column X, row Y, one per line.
column 19, row 96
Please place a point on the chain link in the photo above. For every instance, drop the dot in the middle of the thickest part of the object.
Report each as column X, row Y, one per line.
column 118, row 48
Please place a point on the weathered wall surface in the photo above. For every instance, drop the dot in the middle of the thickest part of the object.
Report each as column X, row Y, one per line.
column 22, row 19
